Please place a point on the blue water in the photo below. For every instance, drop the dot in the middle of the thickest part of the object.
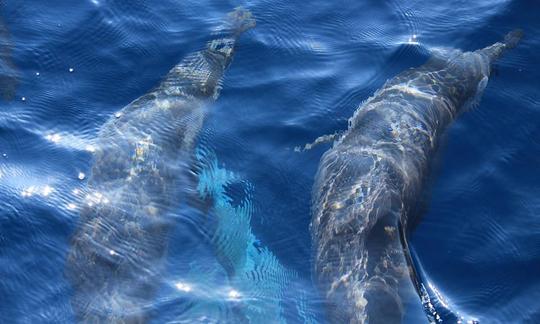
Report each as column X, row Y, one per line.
column 68, row 66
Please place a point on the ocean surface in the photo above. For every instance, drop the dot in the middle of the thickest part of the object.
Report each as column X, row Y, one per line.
column 66, row 67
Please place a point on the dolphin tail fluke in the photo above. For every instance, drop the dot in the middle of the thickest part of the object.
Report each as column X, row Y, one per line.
column 238, row 21
column 511, row 39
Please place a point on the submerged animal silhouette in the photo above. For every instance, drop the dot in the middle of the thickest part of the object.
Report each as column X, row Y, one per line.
column 369, row 182
column 139, row 177
column 9, row 75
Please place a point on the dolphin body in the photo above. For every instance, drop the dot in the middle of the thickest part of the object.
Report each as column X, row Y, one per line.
column 369, row 183
column 139, row 176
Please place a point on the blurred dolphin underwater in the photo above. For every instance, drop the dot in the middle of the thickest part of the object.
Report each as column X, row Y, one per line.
column 139, row 180
column 8, row 70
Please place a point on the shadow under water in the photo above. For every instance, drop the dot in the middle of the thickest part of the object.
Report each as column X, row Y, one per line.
column 250, row 284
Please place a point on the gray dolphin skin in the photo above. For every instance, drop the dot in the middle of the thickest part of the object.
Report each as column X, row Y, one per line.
column 139, row 180
column 369, row 183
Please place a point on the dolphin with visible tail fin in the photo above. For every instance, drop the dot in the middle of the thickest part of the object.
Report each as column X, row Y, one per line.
column 370, row 181
column 139, row 176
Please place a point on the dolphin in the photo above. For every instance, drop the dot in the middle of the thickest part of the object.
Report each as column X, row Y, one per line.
column 368, row 184
column 138, row 180
column 9, row 75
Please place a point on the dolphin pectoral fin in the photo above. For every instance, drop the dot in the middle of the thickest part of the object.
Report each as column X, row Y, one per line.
column 319, row 140
column 481, row 86
column 475, row 100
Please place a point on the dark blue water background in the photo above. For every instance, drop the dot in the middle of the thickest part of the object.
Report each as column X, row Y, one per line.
column 299, row 74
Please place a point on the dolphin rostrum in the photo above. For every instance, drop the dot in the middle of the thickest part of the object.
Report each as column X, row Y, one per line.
column 138, row 178
column 369, row 183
